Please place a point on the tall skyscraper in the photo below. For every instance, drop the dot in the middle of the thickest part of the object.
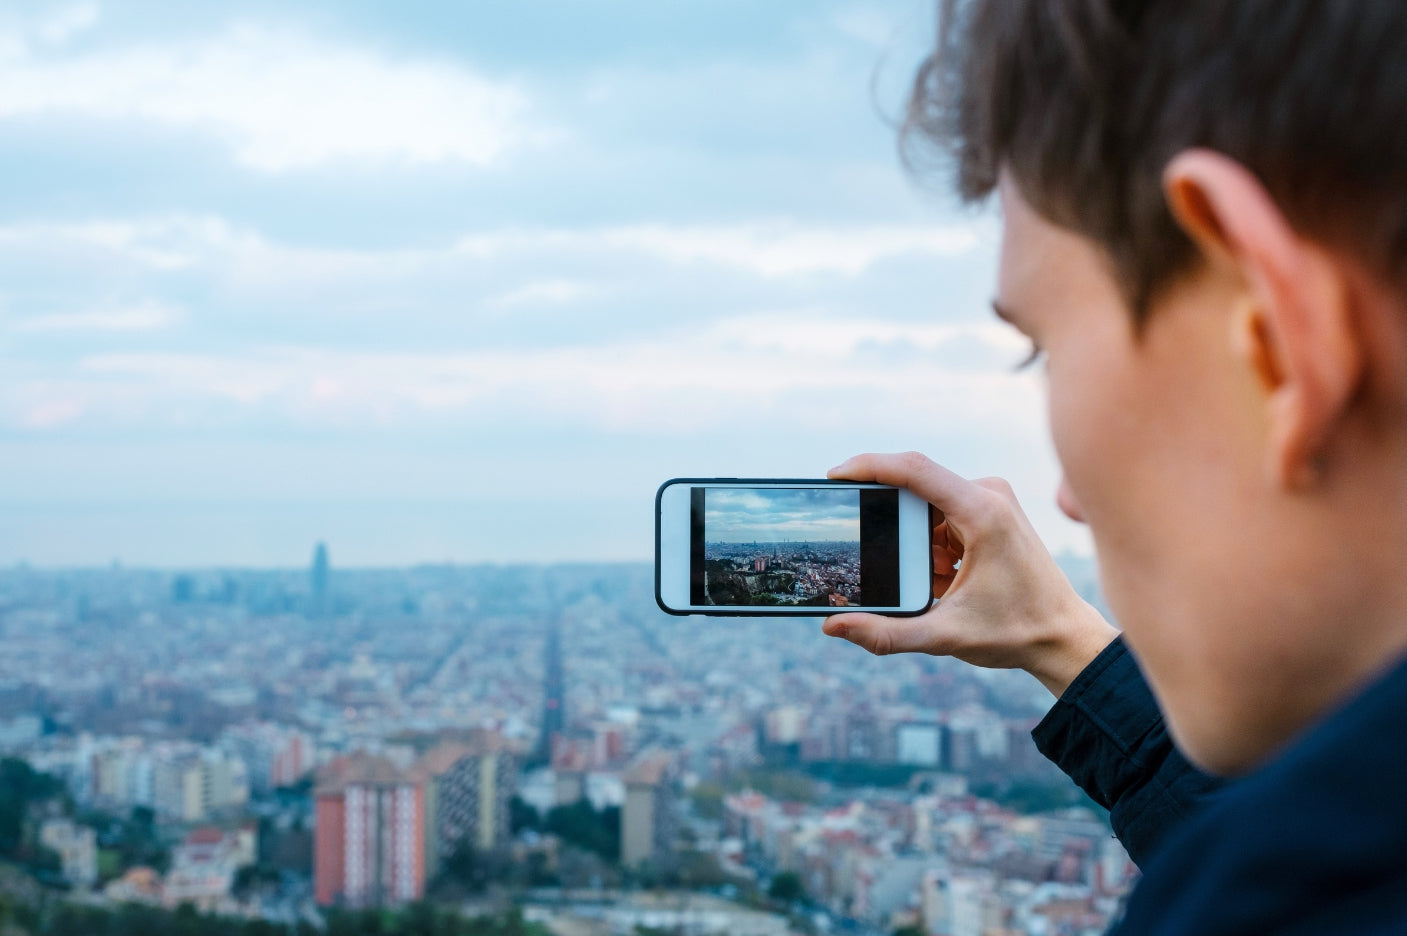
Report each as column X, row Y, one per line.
column 369, row 849
column 318, row 581
column 554, row 716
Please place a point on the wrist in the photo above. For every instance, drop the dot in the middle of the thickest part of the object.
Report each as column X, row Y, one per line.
column 1080, row 635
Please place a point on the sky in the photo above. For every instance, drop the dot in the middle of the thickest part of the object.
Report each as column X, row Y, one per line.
column 467, row 282
column 763, row 515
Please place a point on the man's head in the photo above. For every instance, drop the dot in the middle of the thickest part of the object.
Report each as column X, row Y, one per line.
column 1084, row 102
column 1206, row 231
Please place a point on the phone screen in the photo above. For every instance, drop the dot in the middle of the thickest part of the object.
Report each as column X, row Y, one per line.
column 803, row 546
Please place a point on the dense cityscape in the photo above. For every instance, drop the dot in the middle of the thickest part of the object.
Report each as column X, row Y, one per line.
column 784, row 573
column 538, row 747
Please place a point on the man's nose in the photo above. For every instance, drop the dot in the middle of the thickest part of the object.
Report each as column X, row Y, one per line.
column 1065, row 499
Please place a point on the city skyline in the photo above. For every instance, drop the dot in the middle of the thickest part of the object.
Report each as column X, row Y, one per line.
column 200, row 731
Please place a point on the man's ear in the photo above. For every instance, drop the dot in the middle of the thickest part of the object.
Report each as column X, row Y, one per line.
column 1293, row 318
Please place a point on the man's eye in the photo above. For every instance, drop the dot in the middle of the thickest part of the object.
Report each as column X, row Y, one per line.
column 1031, row 360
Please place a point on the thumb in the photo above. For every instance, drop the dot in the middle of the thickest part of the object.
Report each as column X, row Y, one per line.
column 878, row 634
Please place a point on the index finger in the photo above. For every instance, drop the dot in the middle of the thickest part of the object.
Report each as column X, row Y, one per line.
column 942, row 488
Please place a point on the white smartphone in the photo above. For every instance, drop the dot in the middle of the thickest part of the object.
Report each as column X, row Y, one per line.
column 770, row 546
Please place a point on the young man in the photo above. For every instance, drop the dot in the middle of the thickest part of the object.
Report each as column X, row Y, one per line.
column 1205, row 206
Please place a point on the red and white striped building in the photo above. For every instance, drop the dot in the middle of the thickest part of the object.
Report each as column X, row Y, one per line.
column 370, row 834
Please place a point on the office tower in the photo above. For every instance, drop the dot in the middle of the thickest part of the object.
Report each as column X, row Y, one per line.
column 318, row 581
column 554, row 715
column 369, row 849
column 467, row 791
column 648, row 819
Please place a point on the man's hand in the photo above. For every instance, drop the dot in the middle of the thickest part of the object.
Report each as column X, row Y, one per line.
column 1005, row 603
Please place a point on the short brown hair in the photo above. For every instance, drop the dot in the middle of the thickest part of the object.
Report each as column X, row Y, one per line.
column 1084, row 102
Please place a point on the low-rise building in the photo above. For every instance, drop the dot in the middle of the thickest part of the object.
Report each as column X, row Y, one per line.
column 76, row 847
column 204, row 865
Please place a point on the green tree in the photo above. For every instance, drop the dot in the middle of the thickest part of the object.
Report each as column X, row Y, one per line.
column 777, row 784
column 250, row 878
column 133, row 840
column 470, row 870
column 21, row 787
column 708, row 800
column 583, row 825
column 786, row 887
column 522, row 815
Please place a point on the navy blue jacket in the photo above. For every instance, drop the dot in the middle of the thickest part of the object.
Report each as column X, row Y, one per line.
column 1314, row 842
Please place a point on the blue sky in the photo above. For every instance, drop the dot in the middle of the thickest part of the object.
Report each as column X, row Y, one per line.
column 453, row 281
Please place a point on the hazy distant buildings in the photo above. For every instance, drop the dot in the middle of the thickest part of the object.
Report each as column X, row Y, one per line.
column 920, row 744
column 194, row 787
column 276, row 755
column 571, row 762
column 20, row 731
column 962, row 904
column 135, row 671
column 370, row 845
column 123, row 775
column 180, row 780
column 293, row 759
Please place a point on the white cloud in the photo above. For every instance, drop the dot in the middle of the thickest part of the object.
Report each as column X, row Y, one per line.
column 51, row 414
column 144, row 316
column 282, row 101
column 867, row 24
column 789, row 249
column 812, row 336
column 67, row 22
column 546, row 292
column 680, row 382
column 772, row 250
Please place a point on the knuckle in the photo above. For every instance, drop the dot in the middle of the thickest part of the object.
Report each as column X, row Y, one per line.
column 913, row 462
column 993, row 509
column 999, row 486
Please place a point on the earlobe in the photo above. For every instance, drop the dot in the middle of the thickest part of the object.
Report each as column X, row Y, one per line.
column 1292, row 313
